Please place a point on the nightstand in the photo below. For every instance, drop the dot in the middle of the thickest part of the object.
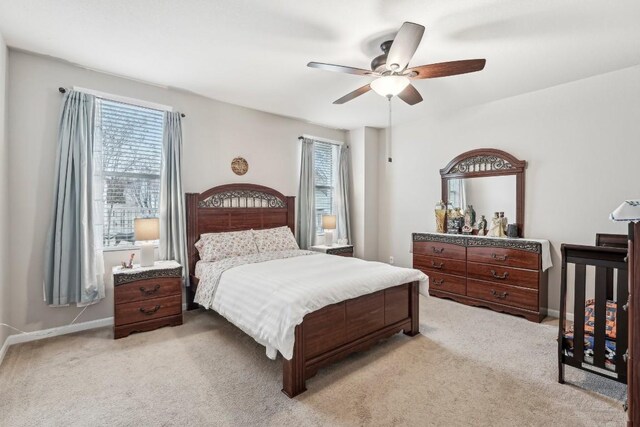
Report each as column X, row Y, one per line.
column 147, row 298
column 342, row 250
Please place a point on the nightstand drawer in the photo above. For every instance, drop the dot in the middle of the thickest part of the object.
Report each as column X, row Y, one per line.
column 146, row 310
column 147, row 289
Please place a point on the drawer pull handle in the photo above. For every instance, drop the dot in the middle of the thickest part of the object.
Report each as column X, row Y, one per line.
column 438, row 282
column 497, row 276
column 438, row 266
column 437, row 250
column 150, row 311
column 499, row 295
column 499, row 257
column 145, row 291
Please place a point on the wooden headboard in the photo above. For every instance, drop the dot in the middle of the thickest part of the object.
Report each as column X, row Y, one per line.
column 233, row 207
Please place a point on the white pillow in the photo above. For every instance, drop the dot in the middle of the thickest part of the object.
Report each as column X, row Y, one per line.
column 275, row 239
column 217, row 246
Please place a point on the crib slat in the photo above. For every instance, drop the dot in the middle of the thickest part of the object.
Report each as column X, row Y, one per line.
column 622, row 339
column 610, row 284
column 578, row 313
column 600, row 314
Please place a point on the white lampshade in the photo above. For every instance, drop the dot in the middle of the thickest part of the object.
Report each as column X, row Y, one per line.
column 329, row 222
column 627, row 211
column 389, row 85
column 146, row 228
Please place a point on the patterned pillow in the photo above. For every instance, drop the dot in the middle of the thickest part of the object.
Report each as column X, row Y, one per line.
column 275, row 239
column 217, row 246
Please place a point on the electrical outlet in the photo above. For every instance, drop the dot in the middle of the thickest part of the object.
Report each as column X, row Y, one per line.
column 390, row 260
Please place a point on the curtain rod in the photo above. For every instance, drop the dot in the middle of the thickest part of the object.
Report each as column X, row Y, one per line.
column 327, row 141
column 63, row 90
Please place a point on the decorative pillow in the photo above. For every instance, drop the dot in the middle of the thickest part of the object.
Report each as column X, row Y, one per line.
column 275, row 239
column 217, row 246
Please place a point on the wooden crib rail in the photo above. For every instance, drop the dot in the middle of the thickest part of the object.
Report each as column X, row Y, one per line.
column 605, row 260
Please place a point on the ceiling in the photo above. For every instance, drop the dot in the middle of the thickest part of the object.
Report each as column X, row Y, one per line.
column 254, row 53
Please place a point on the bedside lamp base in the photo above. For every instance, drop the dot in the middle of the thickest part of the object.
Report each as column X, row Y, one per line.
column 147, row 254
column 328, row 237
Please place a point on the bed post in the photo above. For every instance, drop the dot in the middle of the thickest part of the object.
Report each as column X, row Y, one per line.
column 414, row 310
column 191, row 202
column 291, row 213
column 293, row 371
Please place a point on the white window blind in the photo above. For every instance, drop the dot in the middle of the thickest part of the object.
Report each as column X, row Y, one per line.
column 325, row 176
column 131, row 139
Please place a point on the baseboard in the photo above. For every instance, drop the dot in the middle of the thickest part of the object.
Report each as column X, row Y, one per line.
column 52, row 332
column 556, row 314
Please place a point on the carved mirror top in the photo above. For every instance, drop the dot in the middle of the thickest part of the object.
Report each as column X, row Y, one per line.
column 483, row 162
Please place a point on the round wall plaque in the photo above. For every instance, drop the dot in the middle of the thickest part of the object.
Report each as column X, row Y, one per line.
column 239, row 166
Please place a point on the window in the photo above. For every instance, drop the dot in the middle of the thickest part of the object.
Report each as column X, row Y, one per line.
column 325, row 160
column 131, row 139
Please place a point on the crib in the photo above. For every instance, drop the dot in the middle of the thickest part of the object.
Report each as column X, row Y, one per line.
column 599, row 342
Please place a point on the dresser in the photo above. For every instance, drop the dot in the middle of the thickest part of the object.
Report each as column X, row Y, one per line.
column 505, row 275
column 147, row 298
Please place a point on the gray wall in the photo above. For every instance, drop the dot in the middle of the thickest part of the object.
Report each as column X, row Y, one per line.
column 4, row 196
column 582, row 144
column 214, row 133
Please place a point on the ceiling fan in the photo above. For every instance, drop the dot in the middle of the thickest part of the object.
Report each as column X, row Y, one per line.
column 390, row 68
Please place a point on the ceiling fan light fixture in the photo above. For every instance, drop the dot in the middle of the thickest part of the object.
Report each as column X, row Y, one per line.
column 389, row 85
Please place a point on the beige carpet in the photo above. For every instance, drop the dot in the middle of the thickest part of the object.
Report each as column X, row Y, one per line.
column 469, row 367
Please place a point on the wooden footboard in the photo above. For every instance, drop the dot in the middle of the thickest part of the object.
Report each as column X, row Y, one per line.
column 338, row 330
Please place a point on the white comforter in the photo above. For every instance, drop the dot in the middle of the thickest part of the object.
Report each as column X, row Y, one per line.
column 267, row 299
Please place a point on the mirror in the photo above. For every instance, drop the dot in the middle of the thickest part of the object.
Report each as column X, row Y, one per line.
column 491, row 180
column 486, row 194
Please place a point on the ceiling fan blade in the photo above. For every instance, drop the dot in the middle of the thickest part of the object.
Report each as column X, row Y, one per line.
column 404, row 46
column 444, row 69
column 340, row 69
column 351, row 95
column 410, row 95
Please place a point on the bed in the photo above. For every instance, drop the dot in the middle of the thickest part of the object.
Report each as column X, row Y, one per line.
column 324, row 335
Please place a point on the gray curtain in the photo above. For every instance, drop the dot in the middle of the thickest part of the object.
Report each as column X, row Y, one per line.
column 306, row 197
column 73, row 257
column 173, row 229
column 343, row 193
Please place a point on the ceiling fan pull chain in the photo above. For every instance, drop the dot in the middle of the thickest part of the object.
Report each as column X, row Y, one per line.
column 389, row 136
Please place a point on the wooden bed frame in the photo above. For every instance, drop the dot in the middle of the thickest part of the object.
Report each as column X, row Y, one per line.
column 326, row 335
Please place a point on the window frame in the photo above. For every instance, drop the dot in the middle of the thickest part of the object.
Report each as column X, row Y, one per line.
column 132, row 102
column 335, row 171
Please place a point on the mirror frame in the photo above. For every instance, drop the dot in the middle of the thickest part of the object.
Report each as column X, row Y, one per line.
column 484, row 162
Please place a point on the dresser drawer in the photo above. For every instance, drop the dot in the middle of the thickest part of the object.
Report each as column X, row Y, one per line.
column 506, row 275
column 443, row 250
column 147, row 289
column 146, row 310
column 503, row 294
column 506, row 257
column 439, row 265
column 447, row 283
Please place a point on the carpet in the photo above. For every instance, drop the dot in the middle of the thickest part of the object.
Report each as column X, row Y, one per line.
column 469, row 366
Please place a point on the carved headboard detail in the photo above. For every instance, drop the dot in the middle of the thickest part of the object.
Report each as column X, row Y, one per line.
column 234, row 207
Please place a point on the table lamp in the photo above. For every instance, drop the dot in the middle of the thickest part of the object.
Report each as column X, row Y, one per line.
column 329, row 224
column 146, row 231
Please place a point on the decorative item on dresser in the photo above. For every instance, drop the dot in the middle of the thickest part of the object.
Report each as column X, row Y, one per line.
column 147, row 298
column 505, row 275
column 342, row 250
column 327, row 334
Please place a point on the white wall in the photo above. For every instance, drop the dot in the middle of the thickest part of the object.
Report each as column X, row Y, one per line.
column 582, row 144
column 4, row 196
column 214, row 133
column 364, row 192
